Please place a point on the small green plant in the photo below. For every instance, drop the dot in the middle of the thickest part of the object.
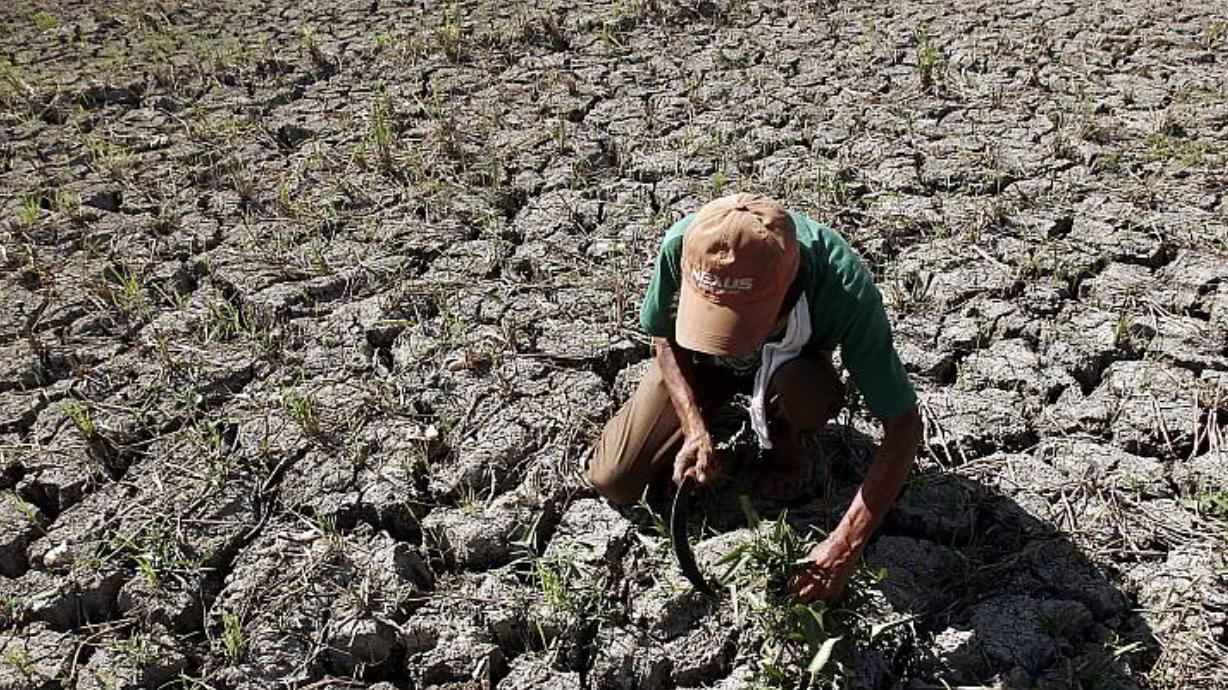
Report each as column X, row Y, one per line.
column 382, row 137
column 287, row 204
column 27, row 509
column 157, row 555
column 167, row 221
column 130, row 298
column 302, row 409
column 309, row 38
column 19, row 660
column 109, row 157
column 31, row 211
column 565, row 588
column 45, row 21
column 139, row 649
column 1122, row 337
column 1213, row 505
column 225, row 321
column 449, row 35
column 82, row 417
column 12, row 86
column 1213, row 33
column 612, row 35
column 10, row 608
column 237, row 175
column 931, row 60
column 234, row 640
column 327, row 524
column 67, row 202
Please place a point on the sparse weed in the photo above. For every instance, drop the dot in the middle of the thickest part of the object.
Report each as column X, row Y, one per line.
column 1122, row 337
column 18, row 659
column 449, row 36
column 302, row 409
column 27, row 509
column 11, row 608
column 656, row 523
column 910, row 291
column 67, row 202
column 1212, row 504
column 234, row 639
column 931, row 60
column 226, row 321
column 157, row 555
column 309, row 38
column 238, row 176
column 188, row 399
column 31, row 211
column 565, row 588
column 436, row 107
column 543, row 29
column 45, row 21
column 82, row 417
column 1167, row 124
column 468, row 499
column 415, row 461
column 326, row 524
column 1213, row 33
column 109, row 157
column 382, row 137
column 287, row 204
column 139, row 649
column 131, row 297
column 218, row 125
column 611, row 36
column 14, row 92
column 167, row 221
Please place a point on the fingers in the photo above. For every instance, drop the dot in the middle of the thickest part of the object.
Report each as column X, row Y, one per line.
column 702, row 469
column 696, row 459
column 685, row 462
column 680, row 466
column 811, row 583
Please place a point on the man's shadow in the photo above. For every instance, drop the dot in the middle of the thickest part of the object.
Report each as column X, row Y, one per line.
column 984, row 591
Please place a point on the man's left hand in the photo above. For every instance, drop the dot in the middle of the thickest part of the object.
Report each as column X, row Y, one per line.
column 827, row 569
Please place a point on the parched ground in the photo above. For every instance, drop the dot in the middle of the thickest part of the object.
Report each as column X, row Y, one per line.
column 310, row 311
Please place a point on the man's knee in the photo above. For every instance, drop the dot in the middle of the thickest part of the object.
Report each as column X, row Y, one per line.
column 616, row 487
column 808, row 392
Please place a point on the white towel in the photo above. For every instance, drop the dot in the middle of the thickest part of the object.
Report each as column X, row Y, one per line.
column 797, row 334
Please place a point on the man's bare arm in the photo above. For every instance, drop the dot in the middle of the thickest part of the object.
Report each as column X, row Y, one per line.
column 696, row 456
column 676, row 371
column 883, row 482
column 833, row 561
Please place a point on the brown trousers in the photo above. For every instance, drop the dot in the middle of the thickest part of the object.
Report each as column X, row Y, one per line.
column 639, row 443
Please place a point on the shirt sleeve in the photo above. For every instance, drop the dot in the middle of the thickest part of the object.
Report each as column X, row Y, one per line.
column 660, row 305
column 869, row 356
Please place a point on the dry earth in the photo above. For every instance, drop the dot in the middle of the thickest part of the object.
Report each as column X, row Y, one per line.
column 311, row 310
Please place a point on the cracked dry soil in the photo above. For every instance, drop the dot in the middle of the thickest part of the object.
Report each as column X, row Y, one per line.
column 311, row 310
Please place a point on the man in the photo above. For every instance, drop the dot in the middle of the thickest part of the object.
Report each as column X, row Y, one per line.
column 748, row 296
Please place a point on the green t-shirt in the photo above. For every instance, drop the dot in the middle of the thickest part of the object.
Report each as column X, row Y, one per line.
column 846, row 310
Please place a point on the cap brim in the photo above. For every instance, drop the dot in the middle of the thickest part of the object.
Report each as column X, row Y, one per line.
column 720, row 330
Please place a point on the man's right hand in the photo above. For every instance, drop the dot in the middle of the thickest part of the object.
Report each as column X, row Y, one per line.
column 697, row 458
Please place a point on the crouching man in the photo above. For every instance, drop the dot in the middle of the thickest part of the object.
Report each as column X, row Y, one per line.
column 749, row 297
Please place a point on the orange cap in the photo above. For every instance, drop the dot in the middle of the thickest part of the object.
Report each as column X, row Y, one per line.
column 739, row 257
